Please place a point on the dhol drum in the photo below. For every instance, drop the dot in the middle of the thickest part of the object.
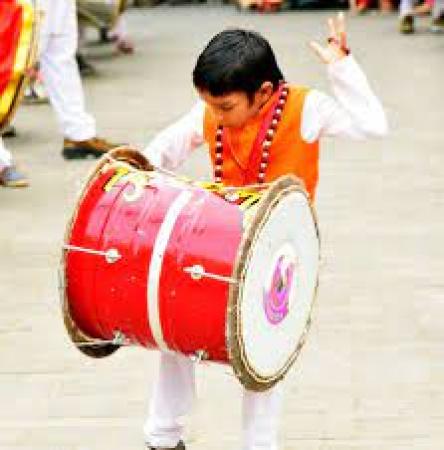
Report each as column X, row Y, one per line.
column 101, row 14
column 18, row 49
column 221, row 274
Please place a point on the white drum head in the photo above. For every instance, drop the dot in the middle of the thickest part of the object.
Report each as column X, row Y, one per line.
column 278, row 270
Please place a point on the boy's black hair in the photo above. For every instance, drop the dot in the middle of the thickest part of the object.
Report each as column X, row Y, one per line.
column 236, row 60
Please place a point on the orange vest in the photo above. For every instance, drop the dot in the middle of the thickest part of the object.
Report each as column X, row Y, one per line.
column 289, row 153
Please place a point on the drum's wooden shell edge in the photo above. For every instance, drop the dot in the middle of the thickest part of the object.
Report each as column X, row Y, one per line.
column 77, row 336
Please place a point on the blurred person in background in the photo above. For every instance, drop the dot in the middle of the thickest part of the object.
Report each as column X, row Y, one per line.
column 58, row 45
column 362, row 6
column 407, row 13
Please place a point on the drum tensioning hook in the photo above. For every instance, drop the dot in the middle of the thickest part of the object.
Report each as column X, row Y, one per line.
column 119, row 339
column 111, row 256
column 197, row 272
column 199, row 356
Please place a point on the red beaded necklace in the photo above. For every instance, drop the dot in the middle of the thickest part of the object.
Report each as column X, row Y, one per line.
column 265, row 144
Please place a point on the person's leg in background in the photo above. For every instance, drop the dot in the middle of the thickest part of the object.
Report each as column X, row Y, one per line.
column 437, row 25
column 406, row 19
column 119, row 34
column 9, row 175
column 85, row 67
column 62, row 80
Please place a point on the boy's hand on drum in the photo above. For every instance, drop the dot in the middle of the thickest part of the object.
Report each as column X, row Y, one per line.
column 336, row 47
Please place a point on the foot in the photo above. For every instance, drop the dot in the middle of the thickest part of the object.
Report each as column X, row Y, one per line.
column 11, row 177
column 407, row 24
column 180, row 446
column 125, row 45
column 105, row 36
column 437, row 25
column 9, row 132
column 361, row 8
column 94, row 147
column 35, row 93
column 86, row 69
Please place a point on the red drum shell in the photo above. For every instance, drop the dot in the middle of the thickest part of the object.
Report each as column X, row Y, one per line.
column 105, row 297
column 18, row 47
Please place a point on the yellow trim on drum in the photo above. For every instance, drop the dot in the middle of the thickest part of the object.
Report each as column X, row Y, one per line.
column 21, row 59
column 247, row 197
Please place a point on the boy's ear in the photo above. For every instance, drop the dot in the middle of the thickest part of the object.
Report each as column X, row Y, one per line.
column 266, row 88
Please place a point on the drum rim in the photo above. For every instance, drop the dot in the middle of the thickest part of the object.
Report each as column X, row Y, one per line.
column 126, row 155
column 236, row 348
column 21, row 81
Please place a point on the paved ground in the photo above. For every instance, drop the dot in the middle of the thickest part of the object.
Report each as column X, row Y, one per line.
column 372, row 373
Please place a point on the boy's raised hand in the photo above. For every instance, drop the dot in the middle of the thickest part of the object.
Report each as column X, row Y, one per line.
column 336, row 46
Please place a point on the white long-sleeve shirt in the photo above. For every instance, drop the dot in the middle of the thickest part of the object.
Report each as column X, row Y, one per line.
column 354, row 112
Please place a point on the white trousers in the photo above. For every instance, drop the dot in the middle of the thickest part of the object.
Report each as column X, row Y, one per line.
column 5, row 155
column 173, row 398
column 58, row 44
column 120, row 29
column 406, row 7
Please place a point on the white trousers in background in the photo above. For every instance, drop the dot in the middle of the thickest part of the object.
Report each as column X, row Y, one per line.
column 406, row 8
column 173, row 398
column 120, row 29
column 58, row 44
column 5, row 155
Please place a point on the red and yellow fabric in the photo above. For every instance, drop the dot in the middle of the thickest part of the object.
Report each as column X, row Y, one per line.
column 261, row 5
column 289, row 153
column 16, row 41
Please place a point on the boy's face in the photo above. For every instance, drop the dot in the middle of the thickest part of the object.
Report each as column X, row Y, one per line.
column 236, row 108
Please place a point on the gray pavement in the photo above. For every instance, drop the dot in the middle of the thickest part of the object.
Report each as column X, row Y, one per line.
column 372, row 373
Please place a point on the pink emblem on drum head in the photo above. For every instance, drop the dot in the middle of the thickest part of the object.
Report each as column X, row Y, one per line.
column 276, row 297
column 277, row 292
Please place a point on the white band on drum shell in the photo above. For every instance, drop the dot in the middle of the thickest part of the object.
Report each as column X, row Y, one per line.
column 156, row 263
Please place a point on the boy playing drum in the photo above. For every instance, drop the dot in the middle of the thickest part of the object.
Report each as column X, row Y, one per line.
column 257, row 128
